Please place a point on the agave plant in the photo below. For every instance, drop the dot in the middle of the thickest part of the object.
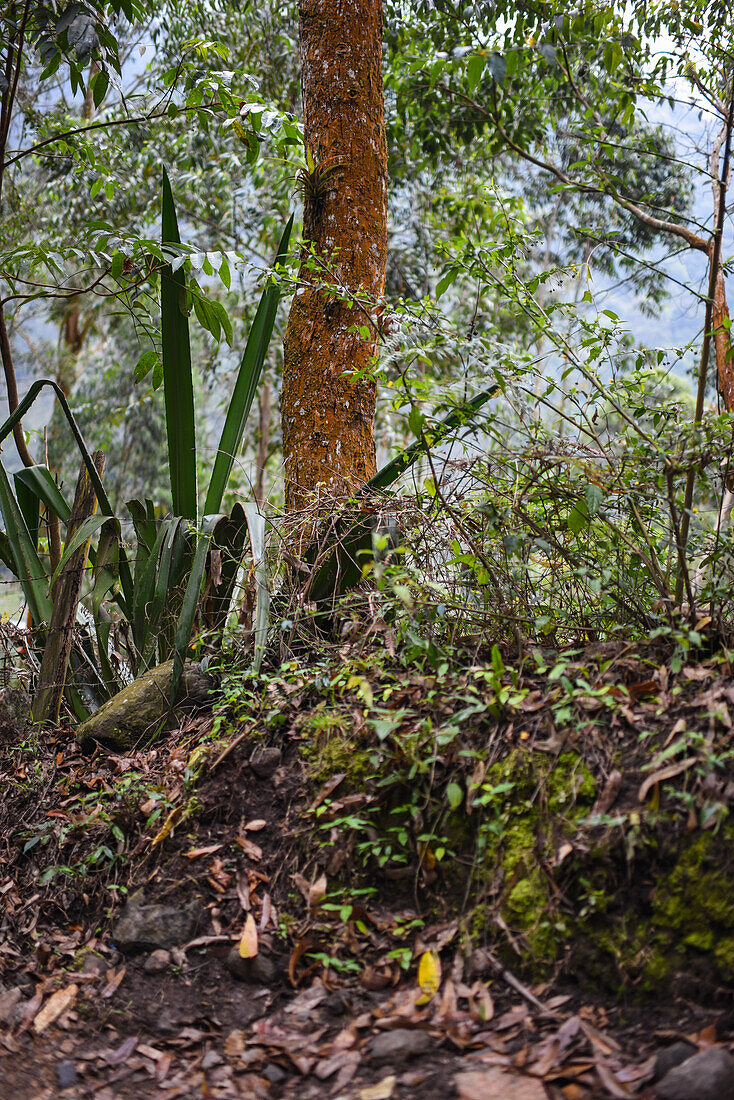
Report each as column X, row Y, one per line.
column 159, row 595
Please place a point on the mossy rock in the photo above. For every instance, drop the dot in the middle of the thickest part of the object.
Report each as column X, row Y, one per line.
column 639, row 908
column 141, row 710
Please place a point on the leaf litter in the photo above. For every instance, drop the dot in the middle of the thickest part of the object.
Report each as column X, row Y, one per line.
column 449, row 1025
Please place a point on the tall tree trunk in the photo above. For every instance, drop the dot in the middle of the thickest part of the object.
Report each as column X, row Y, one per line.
column 327, row 414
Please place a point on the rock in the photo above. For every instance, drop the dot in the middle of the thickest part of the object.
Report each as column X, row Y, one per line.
column 669, row 1057
column 705, row 1076
column 135, row 715
column 400, row 1045
column 274, row 1074
column 66, row 1074
column 158, row 960
column 265, row 762
column 15, row 710
column 144, row 927
column 11, row 1006
column 94, row 964
column 261, row 970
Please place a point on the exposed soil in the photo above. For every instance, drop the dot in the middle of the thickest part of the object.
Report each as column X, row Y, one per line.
column 330, row 1012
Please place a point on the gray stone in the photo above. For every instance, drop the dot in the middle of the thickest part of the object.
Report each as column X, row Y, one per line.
column 11, row 1006
column 705, row 1076
column 274, row 1074
column 94, row 964
column 400, row 1045
column 136, row 714
column 262, row 969
column 144, row 927
column 265, row 762
column 66, row 1074
column 670, row 1057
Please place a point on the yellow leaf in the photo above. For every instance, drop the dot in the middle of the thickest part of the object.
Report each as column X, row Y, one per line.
column 167, row 825
column 429, row 976
column 248, row 942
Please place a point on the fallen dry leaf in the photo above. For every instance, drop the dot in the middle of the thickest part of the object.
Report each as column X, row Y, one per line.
column 194, row 853
column 114, row 977
column 610, row 1082
column 256, row 825
column 383, row 1090
column 429, row 976
column 57, row 1003
column 485, row 1083
column 248, row 941
column 665, row 773
column 254, row 851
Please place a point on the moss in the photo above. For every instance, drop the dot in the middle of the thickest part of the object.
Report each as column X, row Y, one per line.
column 693, row 912
column 532, row 803
column 328, row 748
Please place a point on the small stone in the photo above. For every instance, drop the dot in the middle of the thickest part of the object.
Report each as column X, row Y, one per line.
column 10, row 1004
column 265, row 762
column 66, row 1074
column 260, row 970
column 144, row 927
column 705, row 1076
column 274, row 1074
column 400, row 1045
column 670, row 1057
column 156, row 961
column 94, row 964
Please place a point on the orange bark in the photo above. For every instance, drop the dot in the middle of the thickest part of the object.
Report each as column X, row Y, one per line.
column 327, row 414
column 722, row 343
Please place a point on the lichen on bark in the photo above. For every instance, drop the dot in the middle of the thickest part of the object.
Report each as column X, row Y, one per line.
column 328, row 398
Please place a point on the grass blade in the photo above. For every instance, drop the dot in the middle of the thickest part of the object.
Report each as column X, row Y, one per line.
column 178, row 384
column 248, row 377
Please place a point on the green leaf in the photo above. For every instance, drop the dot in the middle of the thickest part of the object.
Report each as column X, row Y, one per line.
column 178, row 384
column 474, row 70
column 248, row 377
column 497, row 67
column 41, row 481
column 416, row 421
column 445, row 281
column 125, row 599
column 28, row 566
column 30, row 506
column 99, row 86
column 84, row 531
column 498, row 664
column 578, row 517
column 191, row 599
column 147, row 362
column 455, row 795
column 117, row 264
column 594, row 495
